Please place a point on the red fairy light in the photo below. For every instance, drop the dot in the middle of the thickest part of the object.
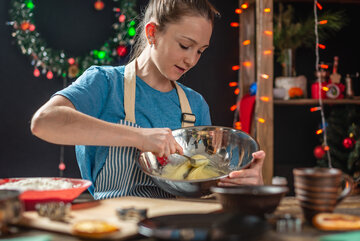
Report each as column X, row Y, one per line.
column 323, row 22
column 265, row 98
column 238, row 11
column 232, row 108
column 267, row 52
column 261, row 120
column 237, row 91
column 233, row 84
column 246, row 42
column 247, row 64
column 235, row 67
column 313, row 109
column 268, row 33
column 319, row 5
column 326, row 148
column 238, row 125
column 244, row 6
column 324, row 66
column 234, row 24
column 322, row 46
column 318, row 132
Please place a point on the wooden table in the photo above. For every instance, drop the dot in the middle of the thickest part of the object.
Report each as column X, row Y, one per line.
column 288, row 205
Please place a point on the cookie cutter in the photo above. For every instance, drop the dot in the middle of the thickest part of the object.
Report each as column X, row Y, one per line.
column 53, row 210
column 136, row 214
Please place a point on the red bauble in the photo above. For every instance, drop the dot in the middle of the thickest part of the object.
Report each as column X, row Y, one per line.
column 99, row 5
column 62, row 166
column 121, row 50
column 319, row 152
column 349, row 142
column 49, row 75
column 25, row 25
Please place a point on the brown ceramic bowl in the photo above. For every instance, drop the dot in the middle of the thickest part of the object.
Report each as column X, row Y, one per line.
column 254, row 200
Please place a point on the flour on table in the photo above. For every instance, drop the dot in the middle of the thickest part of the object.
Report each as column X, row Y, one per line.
column 38, row 184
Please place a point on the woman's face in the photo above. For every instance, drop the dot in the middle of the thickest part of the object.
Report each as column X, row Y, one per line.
column 179, row 46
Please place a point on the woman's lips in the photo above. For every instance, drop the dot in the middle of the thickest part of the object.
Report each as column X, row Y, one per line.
column 181, row 70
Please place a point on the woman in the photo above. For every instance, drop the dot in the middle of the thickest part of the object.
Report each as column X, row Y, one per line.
column 100, row 113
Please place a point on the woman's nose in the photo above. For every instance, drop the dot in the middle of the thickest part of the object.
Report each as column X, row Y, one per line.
column 191, row 59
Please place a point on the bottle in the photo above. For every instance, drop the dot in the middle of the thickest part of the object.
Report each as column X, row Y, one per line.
column 349, row 88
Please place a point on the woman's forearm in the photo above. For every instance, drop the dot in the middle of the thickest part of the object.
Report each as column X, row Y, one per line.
column 67, row 126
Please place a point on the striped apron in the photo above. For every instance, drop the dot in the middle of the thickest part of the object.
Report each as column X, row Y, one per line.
column 120, row 175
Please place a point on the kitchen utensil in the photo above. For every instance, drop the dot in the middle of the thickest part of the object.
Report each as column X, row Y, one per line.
column 32, row 197
column 137, row 214
column 227, row 149
column 254, row 200
column 53, row 210
column 335, row 77
column 214, row 226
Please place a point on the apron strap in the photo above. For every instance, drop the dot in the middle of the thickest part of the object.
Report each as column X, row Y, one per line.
column 187, row 117
column 129, row 91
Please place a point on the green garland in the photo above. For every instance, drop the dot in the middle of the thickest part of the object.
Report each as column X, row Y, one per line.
column 54, row 62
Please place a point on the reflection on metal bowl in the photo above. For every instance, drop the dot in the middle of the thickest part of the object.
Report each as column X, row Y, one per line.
column 227, row 149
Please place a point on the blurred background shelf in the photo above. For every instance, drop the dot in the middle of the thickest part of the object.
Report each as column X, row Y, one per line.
column 316, row 101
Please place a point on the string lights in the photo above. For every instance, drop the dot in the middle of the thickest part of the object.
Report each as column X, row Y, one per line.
column 318, row 6
column 247, row 63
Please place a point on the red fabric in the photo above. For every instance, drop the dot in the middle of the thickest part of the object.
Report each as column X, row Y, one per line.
column 247, row 104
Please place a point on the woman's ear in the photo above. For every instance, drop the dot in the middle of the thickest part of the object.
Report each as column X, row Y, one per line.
column 150, row 30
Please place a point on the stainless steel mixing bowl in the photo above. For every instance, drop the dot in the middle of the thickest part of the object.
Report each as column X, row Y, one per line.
column 227, row 149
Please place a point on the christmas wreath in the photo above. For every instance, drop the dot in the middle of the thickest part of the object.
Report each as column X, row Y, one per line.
column 54, row 62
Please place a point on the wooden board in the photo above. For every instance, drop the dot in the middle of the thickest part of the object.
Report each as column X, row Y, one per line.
column 106, row 210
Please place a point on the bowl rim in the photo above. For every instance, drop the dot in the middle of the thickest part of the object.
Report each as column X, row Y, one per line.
column 207, row 179
column 250, row 190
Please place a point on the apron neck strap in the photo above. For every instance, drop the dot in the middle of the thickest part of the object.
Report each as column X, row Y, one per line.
column 129, row 91
column 187, row 117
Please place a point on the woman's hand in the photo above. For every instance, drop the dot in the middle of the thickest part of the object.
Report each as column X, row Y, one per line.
column 159, row 141
column 249, row 176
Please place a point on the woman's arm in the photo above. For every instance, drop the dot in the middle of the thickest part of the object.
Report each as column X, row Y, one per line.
column 59, row 122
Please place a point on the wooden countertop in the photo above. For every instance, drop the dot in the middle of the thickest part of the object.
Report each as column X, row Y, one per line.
column 288, row 205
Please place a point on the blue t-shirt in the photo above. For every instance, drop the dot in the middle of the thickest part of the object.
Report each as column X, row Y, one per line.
column 99, row 92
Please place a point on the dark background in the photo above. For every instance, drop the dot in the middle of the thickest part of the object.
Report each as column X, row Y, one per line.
column 77, row 28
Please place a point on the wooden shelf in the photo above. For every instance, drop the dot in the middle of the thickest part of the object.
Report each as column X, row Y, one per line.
column 316, row 102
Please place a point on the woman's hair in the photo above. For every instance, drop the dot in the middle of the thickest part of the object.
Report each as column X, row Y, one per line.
column 169, row 11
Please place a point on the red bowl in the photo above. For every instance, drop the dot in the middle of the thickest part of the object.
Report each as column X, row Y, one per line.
column 31, row 197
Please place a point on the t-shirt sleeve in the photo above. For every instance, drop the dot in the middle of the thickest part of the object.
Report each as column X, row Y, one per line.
column 89, row 92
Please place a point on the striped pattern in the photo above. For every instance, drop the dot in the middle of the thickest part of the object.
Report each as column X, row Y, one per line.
column 120, row 175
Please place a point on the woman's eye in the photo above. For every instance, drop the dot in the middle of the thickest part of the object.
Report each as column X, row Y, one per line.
column 183, row 46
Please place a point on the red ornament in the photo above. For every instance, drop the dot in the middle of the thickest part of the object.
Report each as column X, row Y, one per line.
column 71, row 61
column 122, row 18
column 36, row 72
column 349, row 142
column 319, row 152
column 99, row 5
column 25, row 25
column 31, row 27
column 121, row 50
column 49, row 75
column 62, row 166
